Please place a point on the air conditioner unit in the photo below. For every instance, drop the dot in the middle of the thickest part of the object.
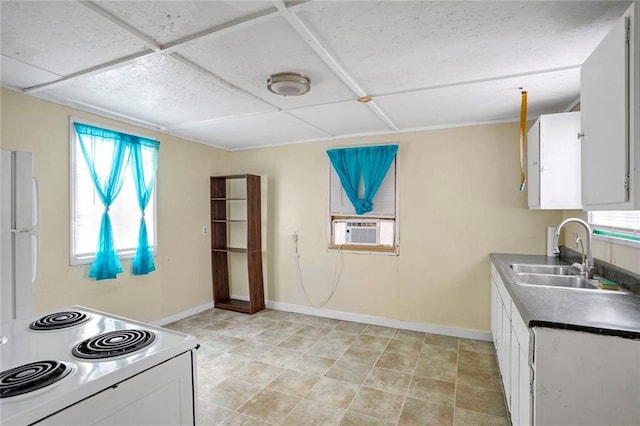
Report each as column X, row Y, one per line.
column 362, row 232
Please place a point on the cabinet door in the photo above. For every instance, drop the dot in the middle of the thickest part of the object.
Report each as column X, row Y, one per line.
column 533, row 165
column 604, row 103
column 505, row 349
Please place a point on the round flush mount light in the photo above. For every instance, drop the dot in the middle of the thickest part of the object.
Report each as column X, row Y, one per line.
column 288, row 84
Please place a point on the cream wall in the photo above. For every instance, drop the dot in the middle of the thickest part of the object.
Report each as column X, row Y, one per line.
column 183, row 276
column 459, row 201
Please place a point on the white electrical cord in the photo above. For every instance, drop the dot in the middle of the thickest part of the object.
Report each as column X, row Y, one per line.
column 334, row 281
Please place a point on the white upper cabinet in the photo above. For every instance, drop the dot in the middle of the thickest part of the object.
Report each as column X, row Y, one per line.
column 609, row 103
column 553, row 162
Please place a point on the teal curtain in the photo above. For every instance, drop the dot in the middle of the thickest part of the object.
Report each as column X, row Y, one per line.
column 368, row 164
column 107, row 180
column 144, row 153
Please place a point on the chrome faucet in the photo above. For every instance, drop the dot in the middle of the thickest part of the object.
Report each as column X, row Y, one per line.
column 587, row 262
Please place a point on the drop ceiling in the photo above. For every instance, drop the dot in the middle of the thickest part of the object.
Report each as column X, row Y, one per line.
column 198, row 69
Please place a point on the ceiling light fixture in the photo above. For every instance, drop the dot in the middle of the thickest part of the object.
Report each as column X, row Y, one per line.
column 288, row 84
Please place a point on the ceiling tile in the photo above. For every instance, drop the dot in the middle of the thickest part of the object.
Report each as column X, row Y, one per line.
column 156, row 89
column 480, row 102
column 16, row 74
column 252, row 131
column 247, row 57
column 398, row 46
column 169, row 21
column 345, row 118
column 62, row 37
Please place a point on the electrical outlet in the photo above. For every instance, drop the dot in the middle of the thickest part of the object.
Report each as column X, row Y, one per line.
column 295, row 235
column 205, row 231
column 575, row 239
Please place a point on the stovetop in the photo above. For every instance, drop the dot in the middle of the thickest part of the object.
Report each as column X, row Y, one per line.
column 87, row 374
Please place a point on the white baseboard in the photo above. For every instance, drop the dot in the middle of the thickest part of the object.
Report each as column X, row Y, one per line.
column 183, row 314
column 344, row 316
column 384, row 322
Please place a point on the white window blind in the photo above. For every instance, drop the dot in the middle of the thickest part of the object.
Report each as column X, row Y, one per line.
column 384, row 203
column 619, row 224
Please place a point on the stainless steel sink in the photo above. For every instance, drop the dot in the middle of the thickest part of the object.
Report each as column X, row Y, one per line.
column 544, row 269
column 568, row 281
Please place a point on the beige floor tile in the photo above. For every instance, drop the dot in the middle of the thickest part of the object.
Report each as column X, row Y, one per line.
column 440, row 340
column 224, row 365
column 220, row 326
column 281, row 357
column 377, row 331
column 409, row 336
column 351, row 327
column 436, row 391
column 349, row 372
column 478, row 360
column 328, row 349
column 270, row 337
column 476, row 346
column 329, row 323
column 480, row 400
column 336, row 336
column 286, row 327
column 334, row 392
column 472, row 418
column 293, row 383
column 313, row 364
column 388, row 381
column 220, row 341
column 258, row 373
column 361, row 355
column 298, row 343
column 311, row 413
column 372, row 342
column 417, row 412
column 352, row 418
column 374, row 403
column 269, row 406
column 231, row 393
column 250, row 349
column 437, row 362
column 403, row 347
column 312, row 331
column 212, row 414
column 482, row 378
column 397, row 362
column 237, row 419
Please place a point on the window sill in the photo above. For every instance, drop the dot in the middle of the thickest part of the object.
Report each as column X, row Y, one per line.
column 619, row 241
column 88, row 259
column 390, row 251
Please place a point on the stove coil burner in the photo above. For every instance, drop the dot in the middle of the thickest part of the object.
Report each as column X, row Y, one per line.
column 113, row 343
column 30, row 377
column 59, row 320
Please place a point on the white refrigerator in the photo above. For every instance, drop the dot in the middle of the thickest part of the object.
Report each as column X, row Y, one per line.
column 18, row 234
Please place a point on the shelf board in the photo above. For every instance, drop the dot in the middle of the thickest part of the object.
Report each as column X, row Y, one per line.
column 234, row 305
column 231, row 250
column 229, row 220
column 228, row 199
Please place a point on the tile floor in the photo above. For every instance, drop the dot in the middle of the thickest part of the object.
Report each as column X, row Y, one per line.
column 279, row 368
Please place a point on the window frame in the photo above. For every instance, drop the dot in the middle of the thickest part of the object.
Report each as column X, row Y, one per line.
column 393, row 250
column 615, row 235
column 123, row 253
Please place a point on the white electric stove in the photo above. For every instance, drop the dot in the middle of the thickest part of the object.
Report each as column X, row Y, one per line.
column 78, row 366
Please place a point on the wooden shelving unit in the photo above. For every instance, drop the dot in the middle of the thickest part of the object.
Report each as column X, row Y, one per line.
column 220, row 251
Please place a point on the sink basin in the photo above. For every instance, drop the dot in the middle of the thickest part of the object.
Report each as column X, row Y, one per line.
column 544, row 269
column 575, row 282
column 569, row 281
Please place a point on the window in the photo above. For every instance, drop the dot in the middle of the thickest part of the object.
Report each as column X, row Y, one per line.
column 87, row 207
column 375, row 231
column 622, row 227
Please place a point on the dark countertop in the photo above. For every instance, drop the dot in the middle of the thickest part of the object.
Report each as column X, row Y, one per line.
column 597, row 312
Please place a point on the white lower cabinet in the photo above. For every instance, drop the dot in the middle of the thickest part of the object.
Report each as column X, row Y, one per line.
column 511, row 339
column 563, row 377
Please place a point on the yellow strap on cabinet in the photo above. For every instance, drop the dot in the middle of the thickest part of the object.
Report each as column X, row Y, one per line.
column 523, row 127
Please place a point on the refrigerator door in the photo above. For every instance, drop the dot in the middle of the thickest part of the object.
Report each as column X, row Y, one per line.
column 18, row 235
